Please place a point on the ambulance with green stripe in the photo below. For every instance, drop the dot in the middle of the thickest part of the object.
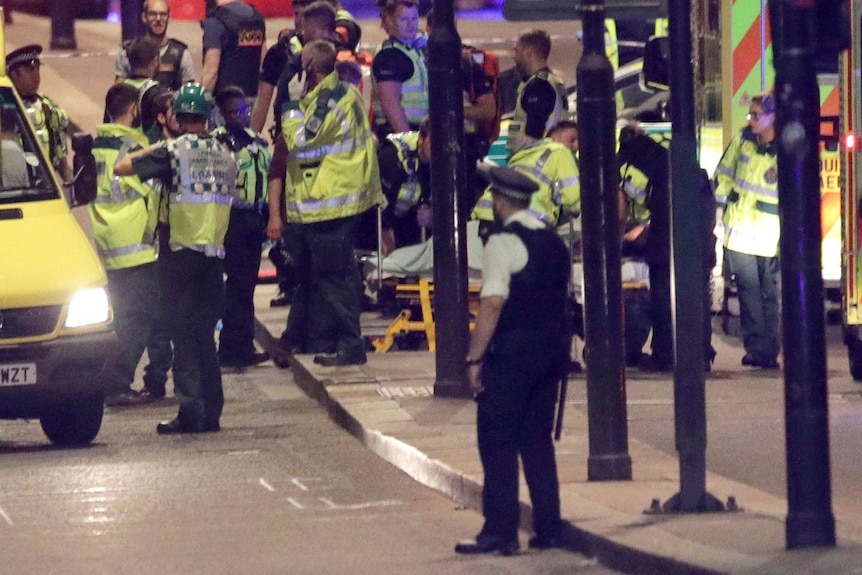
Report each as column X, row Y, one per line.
column 55, row 318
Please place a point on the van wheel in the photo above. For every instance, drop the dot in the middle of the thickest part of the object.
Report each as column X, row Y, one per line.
column 854, row 351
column 76, row 422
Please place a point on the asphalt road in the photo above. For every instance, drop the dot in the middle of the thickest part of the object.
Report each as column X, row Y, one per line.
column 280, row 490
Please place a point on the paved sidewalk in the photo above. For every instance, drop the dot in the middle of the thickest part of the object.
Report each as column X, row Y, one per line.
column 388, row 404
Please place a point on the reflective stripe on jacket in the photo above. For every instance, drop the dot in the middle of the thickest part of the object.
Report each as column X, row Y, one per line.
column 332, row 169
column 414, row 92
column 253, row 162
column 747, row 184
column 553, row 166
column 125, row 210
column 518, row 124
column 407, row 146
column 203, row 187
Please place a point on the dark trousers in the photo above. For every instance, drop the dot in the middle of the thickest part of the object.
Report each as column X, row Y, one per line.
column 159, row 349
column 516, row 417
column 194, row 302
column 241, row 265
column 757, row 288
column 134, row 298
column 660, row 313
column 324, row 316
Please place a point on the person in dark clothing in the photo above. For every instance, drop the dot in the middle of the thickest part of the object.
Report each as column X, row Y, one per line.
column 516, row 358
column 234, row 43
column 249, row 214
column 645, row 181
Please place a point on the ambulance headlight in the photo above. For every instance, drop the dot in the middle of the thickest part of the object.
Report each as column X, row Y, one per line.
column 89, row 307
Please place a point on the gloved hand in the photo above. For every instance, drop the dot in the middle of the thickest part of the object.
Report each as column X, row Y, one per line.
column 425, row 217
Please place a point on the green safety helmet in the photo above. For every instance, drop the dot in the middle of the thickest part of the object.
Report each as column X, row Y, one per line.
column 193, row 98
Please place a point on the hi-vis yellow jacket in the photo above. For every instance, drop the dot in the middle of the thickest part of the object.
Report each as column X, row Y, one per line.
column 551, row 165
column 747, row 178
column 332, row 169
column 518, row 125
column 125, row 211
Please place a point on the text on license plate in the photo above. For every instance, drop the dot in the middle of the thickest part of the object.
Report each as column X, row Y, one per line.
column 17, row 373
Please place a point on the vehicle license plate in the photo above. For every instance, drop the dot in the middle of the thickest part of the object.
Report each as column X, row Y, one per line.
column 17, row 373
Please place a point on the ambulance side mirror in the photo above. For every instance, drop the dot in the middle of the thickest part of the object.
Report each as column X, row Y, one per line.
column 84, row 169
column 656, row 67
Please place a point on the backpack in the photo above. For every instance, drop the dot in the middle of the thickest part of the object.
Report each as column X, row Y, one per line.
column 490, row 63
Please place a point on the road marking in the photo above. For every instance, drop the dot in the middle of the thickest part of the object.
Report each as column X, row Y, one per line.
column 296, row 481
column 295, row 503
column 5, row 516
column 266, row 485
column 245, row 452
column 384, row 503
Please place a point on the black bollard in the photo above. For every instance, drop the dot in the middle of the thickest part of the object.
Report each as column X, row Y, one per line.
column 606, row 394
column 63, row 25
column 446, row 108
column 130, row 17
column 810, row 521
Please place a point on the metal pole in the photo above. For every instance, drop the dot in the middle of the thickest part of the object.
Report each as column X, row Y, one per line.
column 606, row 392
column 451, row 314
column 63, row 25
column 689, row 385
column 810, row 521
column 130, row 16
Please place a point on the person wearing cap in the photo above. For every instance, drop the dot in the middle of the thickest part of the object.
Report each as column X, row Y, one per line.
column 199, row 173
column 747, row 187
column 49, row 120
column 516, row 356
column 175, row 66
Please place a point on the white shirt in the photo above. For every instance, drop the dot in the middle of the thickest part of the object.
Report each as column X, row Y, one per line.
column 505, row 255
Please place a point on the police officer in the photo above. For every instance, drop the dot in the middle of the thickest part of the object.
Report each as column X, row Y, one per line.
column 404, row 160
column 551, row 163
column 400, row 71
column 332, row 178
column 234, row 43
column 516, row 357
column 747, row 184
column 542, row 98
column 175, row 61
column 245, row 233
column 124, row 216
column 49, row 120
column 200, row 173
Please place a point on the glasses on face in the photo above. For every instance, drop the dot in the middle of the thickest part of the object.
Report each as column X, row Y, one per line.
column 158, row 15
column 755, row 116
column 241, row 111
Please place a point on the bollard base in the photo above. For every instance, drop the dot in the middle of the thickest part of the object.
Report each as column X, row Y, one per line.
column 451, row 388
column 614, row 467
column 63, row 43
column 704, row 503
column 810, row 530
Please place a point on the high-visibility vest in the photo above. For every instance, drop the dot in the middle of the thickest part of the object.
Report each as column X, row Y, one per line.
column 203, row 186
column 125, row 211
column 332, row 169
column 747, row 177
column 253, row 162
column 551, row 165
column 407, row 147
column 518, row 124
column 50, row 123
column 414, row 92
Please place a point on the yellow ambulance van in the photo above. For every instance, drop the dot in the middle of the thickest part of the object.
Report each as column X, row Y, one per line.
column 55, row 317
